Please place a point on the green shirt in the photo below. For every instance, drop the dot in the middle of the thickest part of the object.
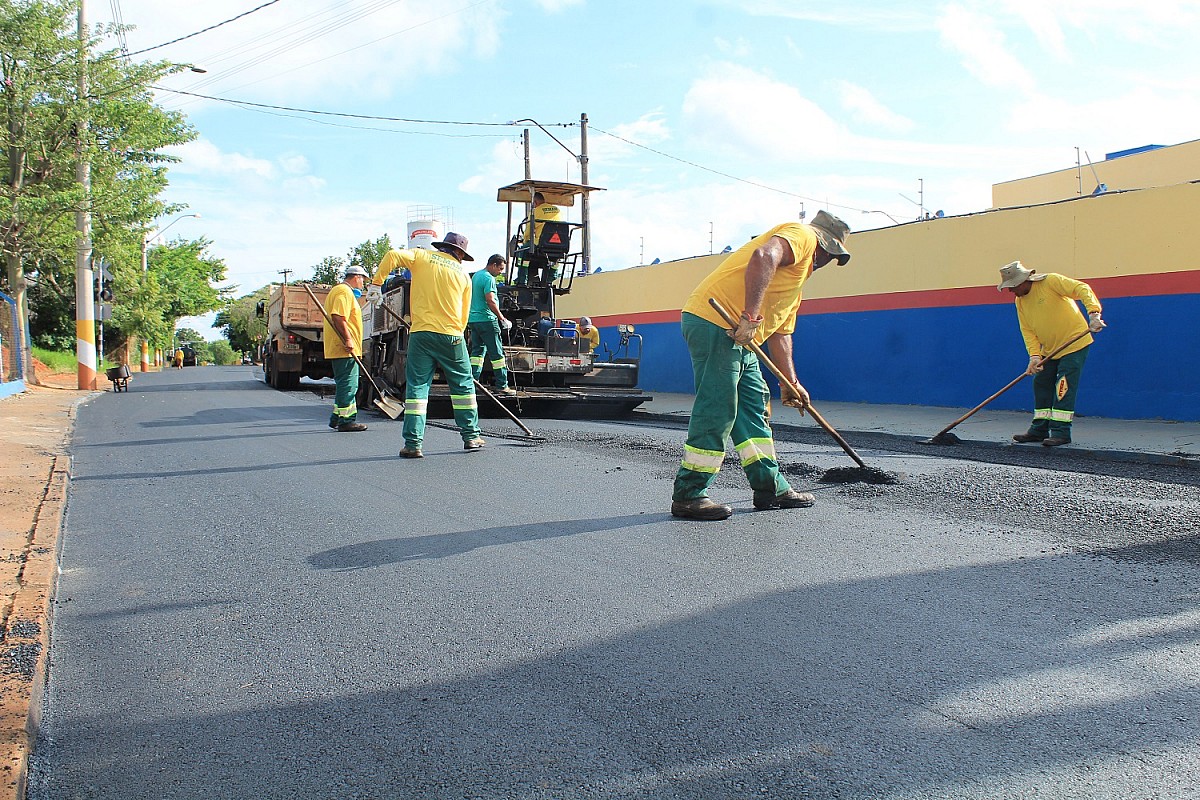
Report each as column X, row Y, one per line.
column 482, row 284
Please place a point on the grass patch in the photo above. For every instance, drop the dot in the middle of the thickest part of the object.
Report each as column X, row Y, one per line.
column 59, row 361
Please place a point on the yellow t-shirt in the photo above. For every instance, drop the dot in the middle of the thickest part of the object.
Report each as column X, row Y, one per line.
column 727, row 283
column 342, row 302
column 544, row 213
column 1049, row 316
column 589, row 340
column 441, row 289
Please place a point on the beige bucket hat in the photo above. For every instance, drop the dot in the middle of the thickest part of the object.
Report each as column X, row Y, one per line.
column 1014, row 274
column 831, row 235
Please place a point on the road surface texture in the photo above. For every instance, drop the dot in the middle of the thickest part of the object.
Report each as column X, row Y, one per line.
column 254, row 606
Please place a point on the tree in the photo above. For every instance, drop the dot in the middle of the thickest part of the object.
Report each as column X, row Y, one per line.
column 329, row 271
column 240, row 322
column 368, row 254
column 222, row 354
column 181, row 276
column 42, row 117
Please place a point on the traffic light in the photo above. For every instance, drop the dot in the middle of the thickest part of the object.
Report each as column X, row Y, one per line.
column 104, row 292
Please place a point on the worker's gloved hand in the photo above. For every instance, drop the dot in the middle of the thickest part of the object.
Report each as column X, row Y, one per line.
column 1095, row 323
column 794, row 395
column 506, row 324
column 374, row 293
column 1035, row 365
column 744, row 333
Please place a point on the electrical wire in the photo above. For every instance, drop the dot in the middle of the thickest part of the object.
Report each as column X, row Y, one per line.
column 725, row 174
column 205, row 30
column 333, row 113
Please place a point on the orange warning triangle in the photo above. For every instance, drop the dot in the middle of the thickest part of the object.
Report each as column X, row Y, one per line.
column 555, row 239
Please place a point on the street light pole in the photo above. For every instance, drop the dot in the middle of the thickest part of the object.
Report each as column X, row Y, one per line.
column 146, row 240
column 85, row 310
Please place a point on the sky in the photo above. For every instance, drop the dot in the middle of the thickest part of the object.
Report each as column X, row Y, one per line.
column 708, row 120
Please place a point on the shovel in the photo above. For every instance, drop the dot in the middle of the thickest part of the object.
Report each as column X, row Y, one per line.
column 758, row 351
column 944, row 436
column 478, row 385
column 383, row 401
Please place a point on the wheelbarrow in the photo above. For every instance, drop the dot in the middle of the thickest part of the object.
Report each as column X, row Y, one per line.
column 119, row 375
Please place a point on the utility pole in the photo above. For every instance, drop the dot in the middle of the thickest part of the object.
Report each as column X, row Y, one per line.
column 85, row 313
column 285, row 273
column 586, row 203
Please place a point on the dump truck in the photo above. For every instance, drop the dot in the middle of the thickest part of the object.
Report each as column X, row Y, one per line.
column 553, row 376
column 295, row 346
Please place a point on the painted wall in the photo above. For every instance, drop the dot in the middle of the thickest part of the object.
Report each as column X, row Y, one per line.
column 915, row 317
column 1178, row 163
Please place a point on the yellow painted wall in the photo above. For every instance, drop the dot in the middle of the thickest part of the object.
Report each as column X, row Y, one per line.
column 1169, row 165
column 1130, row 233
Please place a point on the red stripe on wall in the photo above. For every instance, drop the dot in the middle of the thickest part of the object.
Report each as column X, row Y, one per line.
column 1165, row 283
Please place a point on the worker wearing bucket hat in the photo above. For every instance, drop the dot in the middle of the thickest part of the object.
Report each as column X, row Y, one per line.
column 440, row 302
column 343, row 341
column 762, row 280
column 1049, row 319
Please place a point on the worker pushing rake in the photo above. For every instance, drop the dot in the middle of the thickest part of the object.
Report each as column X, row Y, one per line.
column 763, row 279
column 1058, row 339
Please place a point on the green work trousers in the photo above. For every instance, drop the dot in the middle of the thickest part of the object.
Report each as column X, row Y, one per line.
column 731, row 402
column 428, row 351
column 485, row 346
column 345, row 378
column 1054, row 391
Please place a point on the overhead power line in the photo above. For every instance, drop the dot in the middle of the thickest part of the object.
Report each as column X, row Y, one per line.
column 205, row 30
column 332, row 113
column 724, row 174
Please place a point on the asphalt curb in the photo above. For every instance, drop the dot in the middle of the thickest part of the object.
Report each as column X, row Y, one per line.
column 26, row 633
column 1184, row 460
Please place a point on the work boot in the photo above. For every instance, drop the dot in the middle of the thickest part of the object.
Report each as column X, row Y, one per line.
column 505, row 392
column 411, row 452
column 789, row 499
column 1056, row 441
column 1023, row 438
column 702, row 508
column 333, row 423
column 473, row 444
column 351, row 427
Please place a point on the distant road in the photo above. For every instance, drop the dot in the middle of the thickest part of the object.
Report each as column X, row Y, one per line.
column 254, row 606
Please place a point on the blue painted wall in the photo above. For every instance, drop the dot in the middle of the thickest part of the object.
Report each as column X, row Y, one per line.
column 1143, row 366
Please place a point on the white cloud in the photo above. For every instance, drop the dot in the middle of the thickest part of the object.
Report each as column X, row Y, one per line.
column 294, row 164
column 203, row 157
column 314, row 49
column 983, row 50
column 866, row 108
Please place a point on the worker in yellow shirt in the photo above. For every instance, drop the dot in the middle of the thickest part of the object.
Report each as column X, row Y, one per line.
column 1049, row 318
column 535, row 266
column 762, row 281
column 589, row 336
column 342, row 342
column 179, row 359
column 440, row 304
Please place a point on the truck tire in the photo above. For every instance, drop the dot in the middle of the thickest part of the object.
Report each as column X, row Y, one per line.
column 287, row 381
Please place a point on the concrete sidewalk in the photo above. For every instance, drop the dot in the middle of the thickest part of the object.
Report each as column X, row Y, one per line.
column 1155, row 441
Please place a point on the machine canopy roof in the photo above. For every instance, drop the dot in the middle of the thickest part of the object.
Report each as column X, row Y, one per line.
column 560, row 194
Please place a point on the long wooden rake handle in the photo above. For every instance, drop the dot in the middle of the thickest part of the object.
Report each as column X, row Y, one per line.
column 1010, row 385
column 758, row 351
column 478, row 385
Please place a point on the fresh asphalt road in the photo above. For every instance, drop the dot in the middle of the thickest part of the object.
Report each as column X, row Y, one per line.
column 254, row 606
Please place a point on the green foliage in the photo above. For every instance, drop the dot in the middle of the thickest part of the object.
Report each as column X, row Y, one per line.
column 57, row 359
column 221, row 353
column 242, row 326
column 119, row 130
column 329, row 271
column 368, row 254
